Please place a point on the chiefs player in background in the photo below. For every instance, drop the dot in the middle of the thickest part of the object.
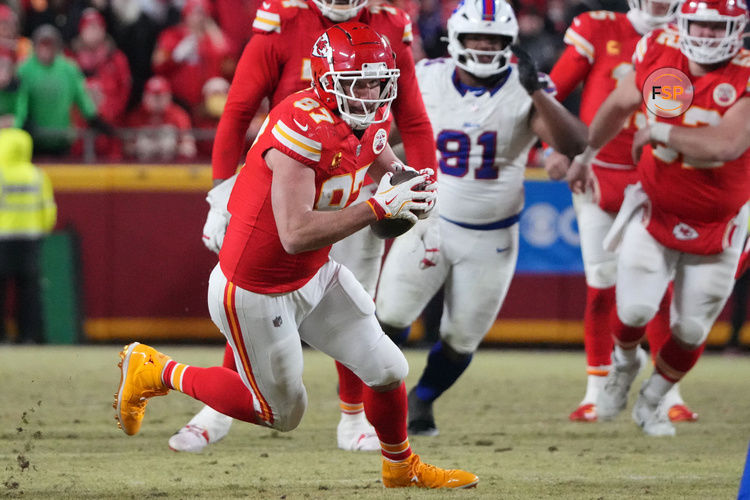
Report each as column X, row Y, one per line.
column 275, row 284
column 599, row 52
column 274, row 64
column 687, row 218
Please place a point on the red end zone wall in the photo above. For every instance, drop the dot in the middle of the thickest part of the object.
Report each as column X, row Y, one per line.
column 145, row 271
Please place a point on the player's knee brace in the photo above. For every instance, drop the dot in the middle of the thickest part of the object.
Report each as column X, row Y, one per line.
column 601, row 274
column 636, row 314
column 690, row 331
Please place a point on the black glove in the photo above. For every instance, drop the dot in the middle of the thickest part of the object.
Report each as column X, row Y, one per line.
column 528, row 73
column 101, row 126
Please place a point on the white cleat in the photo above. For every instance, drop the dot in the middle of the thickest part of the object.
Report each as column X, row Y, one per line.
column 651, row 418
column 356, row 434
column 206, row 427
column 614, row 397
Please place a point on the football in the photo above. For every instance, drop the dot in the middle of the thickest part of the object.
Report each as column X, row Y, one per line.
column 391, row 228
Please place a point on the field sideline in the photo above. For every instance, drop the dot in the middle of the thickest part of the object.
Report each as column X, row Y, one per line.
column 505, row 420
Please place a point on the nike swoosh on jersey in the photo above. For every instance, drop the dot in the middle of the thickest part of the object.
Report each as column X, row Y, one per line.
column 501, row 250
column 266, row 5
column 300, row 126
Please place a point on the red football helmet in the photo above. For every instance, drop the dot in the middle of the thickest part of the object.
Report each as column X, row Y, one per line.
column 346, row 57
column 708, row 50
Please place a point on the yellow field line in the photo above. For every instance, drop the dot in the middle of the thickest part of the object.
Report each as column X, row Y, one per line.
column 189, row 178
column 145, row 177
column 503, row 331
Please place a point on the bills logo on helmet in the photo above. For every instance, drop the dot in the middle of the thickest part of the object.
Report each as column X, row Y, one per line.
column 379, row 141
column 322, row 47
column 725, row 94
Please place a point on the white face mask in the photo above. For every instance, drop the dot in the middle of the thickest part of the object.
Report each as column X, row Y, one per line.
column 338, row 12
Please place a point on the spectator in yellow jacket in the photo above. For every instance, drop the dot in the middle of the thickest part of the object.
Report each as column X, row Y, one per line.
column 27, row 213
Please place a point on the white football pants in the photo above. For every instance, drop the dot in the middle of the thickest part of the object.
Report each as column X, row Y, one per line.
column 332, row 312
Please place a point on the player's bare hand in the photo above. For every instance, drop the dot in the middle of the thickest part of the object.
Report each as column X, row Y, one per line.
column 556, row 165
column 641, row 138
column 579, row 177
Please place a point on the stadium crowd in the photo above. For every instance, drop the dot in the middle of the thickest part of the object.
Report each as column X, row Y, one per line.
column 96, row 80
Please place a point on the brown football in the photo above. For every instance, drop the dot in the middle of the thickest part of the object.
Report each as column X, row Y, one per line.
column 391, row 228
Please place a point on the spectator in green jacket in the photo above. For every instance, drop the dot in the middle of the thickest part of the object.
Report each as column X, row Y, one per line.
column 51, row 85
column 27, row 213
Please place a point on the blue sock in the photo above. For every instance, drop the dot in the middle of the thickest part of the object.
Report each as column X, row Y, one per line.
column 439, row 374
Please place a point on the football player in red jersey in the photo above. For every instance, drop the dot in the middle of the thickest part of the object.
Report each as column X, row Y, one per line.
column 687, row 218
column 599, row 52
column 275, row 284
column 274, row 64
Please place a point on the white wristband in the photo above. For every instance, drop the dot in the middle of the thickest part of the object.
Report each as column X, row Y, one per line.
column 660, row 132
column 587, row 156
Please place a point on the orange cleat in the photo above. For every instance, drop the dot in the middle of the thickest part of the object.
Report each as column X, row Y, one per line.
column 584, row 413
column 681, row 413
column 414, row 472
column 140, row 379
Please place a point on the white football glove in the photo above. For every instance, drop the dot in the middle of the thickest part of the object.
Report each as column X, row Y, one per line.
column 431, row 185
column 218, row 215
column 400, row 167
column 397, row 202
column 429, row 234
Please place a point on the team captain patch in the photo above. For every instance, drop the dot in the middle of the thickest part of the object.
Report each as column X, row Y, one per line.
column 379, row 141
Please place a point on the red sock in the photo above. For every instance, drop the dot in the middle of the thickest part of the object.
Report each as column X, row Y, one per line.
column 350, row 390
column 597, row 325
column 626, row 336
column 674, row 360
column 386, row 411
column 229, row 358
column 218, row 387
column 658, row 330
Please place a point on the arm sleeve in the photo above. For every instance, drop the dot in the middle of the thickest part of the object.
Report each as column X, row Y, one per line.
column 256, row 76
column 81, row 96
column 49, row 211
column 161, row 61
column 411, row 116
column 571, row 69
column 22, row 105
column 125, row 84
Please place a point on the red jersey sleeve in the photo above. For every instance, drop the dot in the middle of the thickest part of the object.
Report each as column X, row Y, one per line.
column 256, row 75
column 645, row 53
column 295, row 134
column 571, row 69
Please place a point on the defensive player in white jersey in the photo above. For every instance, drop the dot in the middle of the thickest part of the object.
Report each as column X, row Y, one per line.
column 486, row 113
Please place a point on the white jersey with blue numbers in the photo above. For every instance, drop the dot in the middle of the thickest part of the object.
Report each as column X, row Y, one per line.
column 483, row 139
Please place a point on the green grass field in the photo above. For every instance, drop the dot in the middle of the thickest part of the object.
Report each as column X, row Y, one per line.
column 505, row 420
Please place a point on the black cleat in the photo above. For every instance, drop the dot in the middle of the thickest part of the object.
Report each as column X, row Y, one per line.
column 421, row 419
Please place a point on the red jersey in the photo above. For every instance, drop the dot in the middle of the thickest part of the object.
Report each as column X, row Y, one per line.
column 276, row 63
column 691, row 208
column 304, row 129
column 599, row 53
